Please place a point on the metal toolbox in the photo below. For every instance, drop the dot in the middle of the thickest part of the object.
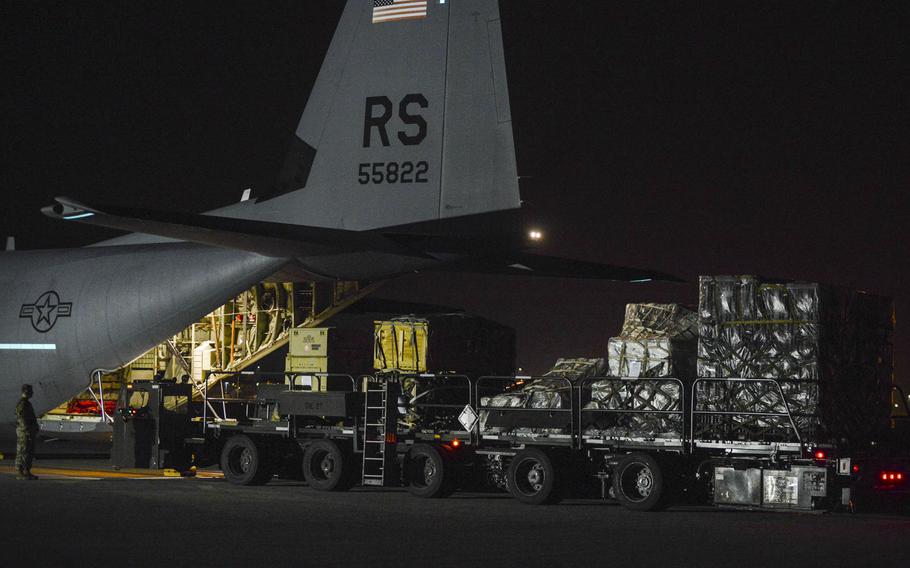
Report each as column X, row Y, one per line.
column 770, row 488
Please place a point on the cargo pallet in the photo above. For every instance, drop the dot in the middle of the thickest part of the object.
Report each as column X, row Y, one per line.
column 337, row 439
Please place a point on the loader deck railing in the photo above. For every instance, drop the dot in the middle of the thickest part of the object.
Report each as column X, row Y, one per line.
column 556, row 424
column 714, row 418
column 632, row 410
column 245, row 398
column 596, row 412
column 434, row 402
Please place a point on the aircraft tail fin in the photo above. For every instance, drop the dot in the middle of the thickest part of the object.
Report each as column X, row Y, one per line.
column 408, row 122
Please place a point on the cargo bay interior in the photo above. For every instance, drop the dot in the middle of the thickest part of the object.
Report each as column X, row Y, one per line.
column 243, row 332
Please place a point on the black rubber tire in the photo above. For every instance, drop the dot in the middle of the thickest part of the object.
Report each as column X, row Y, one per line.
column 639, row 483
column 327, row 466
column 428, row 472
column 532, row 478
column 244, row 463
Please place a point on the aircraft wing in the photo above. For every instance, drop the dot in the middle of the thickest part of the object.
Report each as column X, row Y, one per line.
column 529, row 264
column 263, row 237
column 316, row 245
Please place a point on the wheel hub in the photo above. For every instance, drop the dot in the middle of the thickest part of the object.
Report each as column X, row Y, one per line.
column 535, row 477
column 429, row 470
column 246, row 460
column 327, row 466
column 644, row 481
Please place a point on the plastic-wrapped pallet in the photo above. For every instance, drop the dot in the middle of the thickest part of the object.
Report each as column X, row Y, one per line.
column 640, row 358
column 635, row 395
column 650, row 321
column 657, row 340
column 800, row 398
column 828, row 350
column 537, row 393
column 749, row 329
column 575, row 369
column 549, row 391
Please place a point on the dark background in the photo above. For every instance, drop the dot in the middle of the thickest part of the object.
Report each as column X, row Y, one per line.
column 739, row 137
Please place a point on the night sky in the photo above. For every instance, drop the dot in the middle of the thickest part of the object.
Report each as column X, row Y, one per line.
column 741, row 137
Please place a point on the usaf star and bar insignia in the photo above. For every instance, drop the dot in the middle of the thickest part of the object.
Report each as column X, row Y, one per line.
column 45, row 311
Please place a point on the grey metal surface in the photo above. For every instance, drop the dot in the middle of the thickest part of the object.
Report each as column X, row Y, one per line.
column 77, row 428
column 737, row 487
column 119, row 302
column 454, row 58
column 793, row 489
column 302, row 403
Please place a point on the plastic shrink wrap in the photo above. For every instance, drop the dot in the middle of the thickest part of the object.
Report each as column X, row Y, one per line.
column 635, row 395
column 828, row 350
column 657, row 340
column 549, row 391
column 640, row 358
column 651, row 321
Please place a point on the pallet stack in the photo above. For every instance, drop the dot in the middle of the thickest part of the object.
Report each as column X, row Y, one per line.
column 828, row 350
column 656, row 344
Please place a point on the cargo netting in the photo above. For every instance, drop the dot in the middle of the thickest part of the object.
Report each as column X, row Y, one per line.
column 657, row 340
column 550, row 391
column 828, row 350
column 640, row 408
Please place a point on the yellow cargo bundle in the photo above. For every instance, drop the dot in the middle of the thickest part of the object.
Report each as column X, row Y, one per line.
column 332, row 350
column 400, row 345
column 308, row 351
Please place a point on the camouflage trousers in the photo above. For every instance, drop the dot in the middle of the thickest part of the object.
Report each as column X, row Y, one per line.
column 25, row 451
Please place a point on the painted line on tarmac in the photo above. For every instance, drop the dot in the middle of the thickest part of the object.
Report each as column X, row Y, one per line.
column 76, row 473
column 56, row 477
column 210, row 474
column 104, row 474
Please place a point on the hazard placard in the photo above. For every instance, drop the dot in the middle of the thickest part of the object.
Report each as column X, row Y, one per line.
column 468, row 418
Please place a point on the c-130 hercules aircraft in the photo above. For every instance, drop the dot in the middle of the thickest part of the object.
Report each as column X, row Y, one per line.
column 403, row 161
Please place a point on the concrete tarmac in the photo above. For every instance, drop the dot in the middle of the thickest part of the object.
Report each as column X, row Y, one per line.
column 92, row 520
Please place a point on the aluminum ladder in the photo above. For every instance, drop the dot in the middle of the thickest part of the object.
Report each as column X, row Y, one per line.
column 380, row 430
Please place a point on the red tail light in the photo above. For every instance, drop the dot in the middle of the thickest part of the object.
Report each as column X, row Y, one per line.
column 891, row 476
column 819, row 455
column 456, row 442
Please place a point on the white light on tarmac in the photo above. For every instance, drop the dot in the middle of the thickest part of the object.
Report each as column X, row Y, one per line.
column 535, row 235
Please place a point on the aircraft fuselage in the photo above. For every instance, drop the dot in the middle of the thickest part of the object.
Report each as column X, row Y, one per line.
column 66, row 313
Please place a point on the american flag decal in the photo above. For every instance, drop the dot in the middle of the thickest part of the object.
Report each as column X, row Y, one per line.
column 397, row 10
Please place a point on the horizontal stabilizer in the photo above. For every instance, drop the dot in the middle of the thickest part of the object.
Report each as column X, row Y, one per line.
column 527, row 264
column 263, row 237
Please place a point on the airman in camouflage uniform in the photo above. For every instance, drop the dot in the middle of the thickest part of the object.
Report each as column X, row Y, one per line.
column 26, row 432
